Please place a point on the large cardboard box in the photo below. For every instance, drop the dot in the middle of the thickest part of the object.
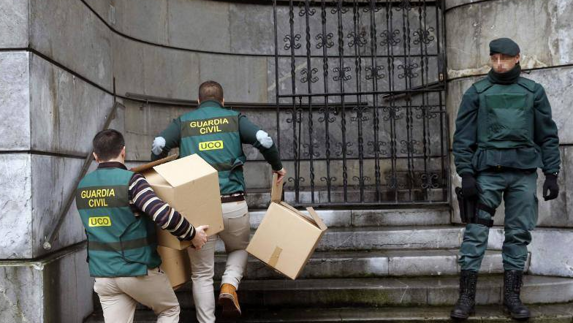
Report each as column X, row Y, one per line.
column 191, row 186
column 286, row 238
column 176, row 265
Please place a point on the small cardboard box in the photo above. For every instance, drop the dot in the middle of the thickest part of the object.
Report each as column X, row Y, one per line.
column 191, row 186
column 176, row 265
column 286, row 238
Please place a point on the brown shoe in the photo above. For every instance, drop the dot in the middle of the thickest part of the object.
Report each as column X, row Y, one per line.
column 229, row 301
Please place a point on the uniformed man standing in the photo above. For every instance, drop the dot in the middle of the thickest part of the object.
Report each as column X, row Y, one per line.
column 217, row 134
column 118, row 209
column 504, row 132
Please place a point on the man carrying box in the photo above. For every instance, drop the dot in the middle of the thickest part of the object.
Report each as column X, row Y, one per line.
column 122, row 253
column 216, row 134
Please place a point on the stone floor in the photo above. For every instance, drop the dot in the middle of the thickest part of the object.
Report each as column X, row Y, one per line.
column 491, row 314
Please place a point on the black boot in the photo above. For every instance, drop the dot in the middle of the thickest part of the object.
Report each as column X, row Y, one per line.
column 512, row 281
column 465, row 306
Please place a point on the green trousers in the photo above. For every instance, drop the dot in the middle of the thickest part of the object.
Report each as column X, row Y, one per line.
column 518, row 189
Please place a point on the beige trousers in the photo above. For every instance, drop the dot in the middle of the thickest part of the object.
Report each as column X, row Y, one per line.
column 236, row 238
column 119, row 296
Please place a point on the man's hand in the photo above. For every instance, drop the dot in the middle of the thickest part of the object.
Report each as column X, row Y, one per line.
column 200, row 237
column 281, row 174
column 469, row 185
column 551, row 186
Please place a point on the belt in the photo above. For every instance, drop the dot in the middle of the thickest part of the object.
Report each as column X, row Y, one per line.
column 234, row 197
column 509, row 169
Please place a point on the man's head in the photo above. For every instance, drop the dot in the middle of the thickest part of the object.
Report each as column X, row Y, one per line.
column 109, row 145
column 211, row 90
column 504, row 54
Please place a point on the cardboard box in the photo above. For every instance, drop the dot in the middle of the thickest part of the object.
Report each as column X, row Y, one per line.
column 176, row 265
column 191, row 186
column 286, row 238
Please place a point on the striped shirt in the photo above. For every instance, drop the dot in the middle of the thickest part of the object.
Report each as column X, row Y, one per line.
column 142, row 198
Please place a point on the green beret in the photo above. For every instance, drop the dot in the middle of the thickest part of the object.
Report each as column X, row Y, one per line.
column 503, row 46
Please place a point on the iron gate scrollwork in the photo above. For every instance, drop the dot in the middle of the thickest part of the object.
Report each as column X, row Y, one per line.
column 363, row 85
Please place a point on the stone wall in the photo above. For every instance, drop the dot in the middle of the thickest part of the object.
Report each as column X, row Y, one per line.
column 51, row 106
column 543, row 31
column 52, row 289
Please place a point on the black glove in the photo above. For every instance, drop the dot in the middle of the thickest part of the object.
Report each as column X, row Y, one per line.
column 469, row 185
column 551, row 186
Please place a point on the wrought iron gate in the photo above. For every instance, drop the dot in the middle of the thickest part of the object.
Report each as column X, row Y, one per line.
column 360, row 101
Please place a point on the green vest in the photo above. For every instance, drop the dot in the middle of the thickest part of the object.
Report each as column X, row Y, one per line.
column 119, row 243
column 506, row 123
column 212, row 132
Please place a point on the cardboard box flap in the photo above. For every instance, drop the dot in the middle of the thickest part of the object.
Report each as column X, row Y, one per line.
column 147, row 166
column 178, row 172
column 276, row 190
column 299, row 214
column 316, row 219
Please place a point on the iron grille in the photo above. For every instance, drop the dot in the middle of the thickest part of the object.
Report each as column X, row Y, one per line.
column 364, row 85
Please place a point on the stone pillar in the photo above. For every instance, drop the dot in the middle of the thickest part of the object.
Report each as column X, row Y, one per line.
column 543, row 31
column 55, row 94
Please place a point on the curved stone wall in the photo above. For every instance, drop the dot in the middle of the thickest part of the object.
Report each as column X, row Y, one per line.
column 541, row 28
column 59, row 64
column 210, row 26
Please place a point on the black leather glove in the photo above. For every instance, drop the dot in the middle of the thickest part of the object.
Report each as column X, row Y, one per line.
column 469, row 185
column 550, row 187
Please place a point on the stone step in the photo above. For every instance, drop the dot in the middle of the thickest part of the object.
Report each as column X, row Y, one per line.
column 392, row 238
column 374, row 217
column 378, row 292
column 551, row 313
column 261, row 198
column 350, row 264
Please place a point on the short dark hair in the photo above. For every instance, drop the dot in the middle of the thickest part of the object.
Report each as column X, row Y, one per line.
column 108, row 144
column 211, row 90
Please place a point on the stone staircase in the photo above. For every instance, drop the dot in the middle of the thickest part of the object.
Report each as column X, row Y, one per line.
column 385, row 265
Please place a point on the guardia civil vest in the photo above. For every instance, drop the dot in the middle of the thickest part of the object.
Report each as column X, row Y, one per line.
column 212, row 132
column 119, row 243
column 506, row 124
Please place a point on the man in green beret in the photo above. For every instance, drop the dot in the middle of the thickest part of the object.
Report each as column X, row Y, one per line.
column 504, row 132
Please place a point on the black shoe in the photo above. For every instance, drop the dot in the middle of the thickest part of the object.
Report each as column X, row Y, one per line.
column 512, row 281
column 465, row 306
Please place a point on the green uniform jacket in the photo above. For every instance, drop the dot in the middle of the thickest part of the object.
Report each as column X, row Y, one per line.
column 217, row 134
column 505, row 126
column 119, row 243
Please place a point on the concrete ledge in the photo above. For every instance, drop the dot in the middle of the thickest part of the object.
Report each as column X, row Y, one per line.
column 373, row 218
column 377, row 292
column 393, row 238
column 554, row 313
column 352, row 264
column 54, row 289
